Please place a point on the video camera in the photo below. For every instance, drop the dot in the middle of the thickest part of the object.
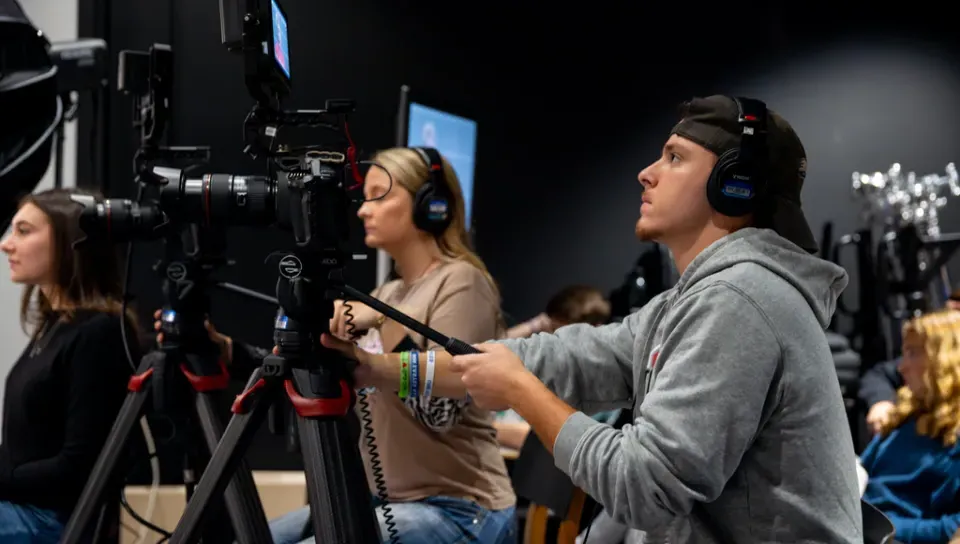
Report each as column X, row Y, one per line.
column 305, row 188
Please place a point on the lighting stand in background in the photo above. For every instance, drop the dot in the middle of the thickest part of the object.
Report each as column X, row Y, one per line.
column 81, row 68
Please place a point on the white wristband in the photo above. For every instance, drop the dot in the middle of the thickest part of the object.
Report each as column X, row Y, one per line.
column 428, row 380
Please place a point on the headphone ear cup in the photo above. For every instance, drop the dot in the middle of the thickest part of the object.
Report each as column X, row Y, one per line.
column 420, row 217
column 727, row 195
column 431, row 211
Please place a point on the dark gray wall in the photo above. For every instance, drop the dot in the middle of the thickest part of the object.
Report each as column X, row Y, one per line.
column 859, row 104
column 570, row 110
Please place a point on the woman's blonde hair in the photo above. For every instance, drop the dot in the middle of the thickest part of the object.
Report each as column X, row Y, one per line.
column 938, row 411
column 408, row 170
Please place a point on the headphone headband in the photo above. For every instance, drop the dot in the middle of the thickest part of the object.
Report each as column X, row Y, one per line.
column 753, row 128
column 431, row 157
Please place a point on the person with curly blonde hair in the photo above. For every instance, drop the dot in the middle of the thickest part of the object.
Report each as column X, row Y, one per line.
column 913, row 464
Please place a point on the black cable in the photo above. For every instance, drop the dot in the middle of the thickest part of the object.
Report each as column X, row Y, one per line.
column 126, row 346
column 389, row 184
column 159, row 445
column 125, row 295
column 133, row 513
column 367, row 420
column 597, row 509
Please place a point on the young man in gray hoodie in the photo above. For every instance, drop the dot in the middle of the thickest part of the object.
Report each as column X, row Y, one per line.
column 740, row 433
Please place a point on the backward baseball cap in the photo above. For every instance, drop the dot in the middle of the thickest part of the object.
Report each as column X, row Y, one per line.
column 713, row 122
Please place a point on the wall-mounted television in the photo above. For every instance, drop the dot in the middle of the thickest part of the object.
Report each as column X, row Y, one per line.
column 443, row 124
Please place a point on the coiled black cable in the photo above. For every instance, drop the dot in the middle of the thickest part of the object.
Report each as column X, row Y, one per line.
column 366, row 418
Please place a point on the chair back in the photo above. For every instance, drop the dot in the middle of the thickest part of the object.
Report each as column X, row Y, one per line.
column 537, row 478
column 877, row 529
column 550, row 492
column 538, row 517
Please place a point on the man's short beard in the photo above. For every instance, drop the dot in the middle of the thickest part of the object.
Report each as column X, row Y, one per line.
column 646, row 234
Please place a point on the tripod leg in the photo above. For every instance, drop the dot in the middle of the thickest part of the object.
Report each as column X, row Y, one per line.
column 103, row 471
column 340, row 501
column 249, row 412
column 217, row 527
column 241, row 497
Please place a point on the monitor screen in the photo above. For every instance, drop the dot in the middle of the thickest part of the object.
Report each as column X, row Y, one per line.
column 455, row 137
column 281, row 49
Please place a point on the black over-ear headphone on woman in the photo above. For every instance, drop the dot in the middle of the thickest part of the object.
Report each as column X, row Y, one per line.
column 433, row 203
column 739, row 178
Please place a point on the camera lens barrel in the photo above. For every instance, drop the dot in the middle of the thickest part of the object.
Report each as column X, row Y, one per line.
column 120, row 220
column 235, row 200
column 221, row 199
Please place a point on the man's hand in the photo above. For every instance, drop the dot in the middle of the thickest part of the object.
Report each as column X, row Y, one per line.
column 494, row 378
column 879, row 414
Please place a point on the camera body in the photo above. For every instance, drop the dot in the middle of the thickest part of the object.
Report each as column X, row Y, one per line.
column 306, row 193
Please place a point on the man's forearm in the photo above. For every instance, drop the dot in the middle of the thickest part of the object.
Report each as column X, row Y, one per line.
column 446, row 383
column 538, row 406
column 589, row 368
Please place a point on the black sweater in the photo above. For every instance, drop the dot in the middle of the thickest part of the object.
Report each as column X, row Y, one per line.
column 59, row 405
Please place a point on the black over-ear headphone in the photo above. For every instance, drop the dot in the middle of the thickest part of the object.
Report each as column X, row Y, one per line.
column 433, row 204
column 739, row 178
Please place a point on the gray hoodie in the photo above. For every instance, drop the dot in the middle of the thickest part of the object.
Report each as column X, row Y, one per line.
column 740, row 432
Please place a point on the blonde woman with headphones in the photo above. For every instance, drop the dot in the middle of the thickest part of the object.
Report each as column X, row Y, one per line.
column 437, row 459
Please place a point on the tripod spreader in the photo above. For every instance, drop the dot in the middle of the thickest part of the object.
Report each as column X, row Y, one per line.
column 329, row 438
column 275, row 368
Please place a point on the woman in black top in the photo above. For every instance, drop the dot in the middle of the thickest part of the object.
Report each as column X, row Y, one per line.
column 65, row 391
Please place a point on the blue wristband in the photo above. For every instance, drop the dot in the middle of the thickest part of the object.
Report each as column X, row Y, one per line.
column 414, row 374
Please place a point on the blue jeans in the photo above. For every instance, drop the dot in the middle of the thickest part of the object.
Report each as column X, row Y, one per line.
column 25, row 524
column 434, row 520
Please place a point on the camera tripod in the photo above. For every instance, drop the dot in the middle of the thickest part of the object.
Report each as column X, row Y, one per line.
column 316, row 380
column 186, row 365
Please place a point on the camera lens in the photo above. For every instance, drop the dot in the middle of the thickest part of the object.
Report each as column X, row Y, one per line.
column 119, row 220
column 219, row 199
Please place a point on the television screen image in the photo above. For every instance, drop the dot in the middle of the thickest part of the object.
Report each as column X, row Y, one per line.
column 455, row 137
column 281, row 47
